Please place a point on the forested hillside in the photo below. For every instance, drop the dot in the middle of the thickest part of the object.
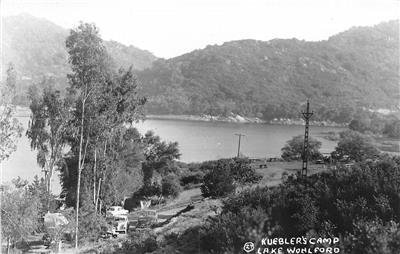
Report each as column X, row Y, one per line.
column 36, row 47
column 269, row 79
column 355, row 69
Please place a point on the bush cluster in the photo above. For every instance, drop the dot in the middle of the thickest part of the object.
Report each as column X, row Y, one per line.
column 360, row 205
column 367, row 122
column 224, row 175
column 169, row 188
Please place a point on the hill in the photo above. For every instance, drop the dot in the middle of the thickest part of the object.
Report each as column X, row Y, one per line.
column 354, row 69
column 36, row 47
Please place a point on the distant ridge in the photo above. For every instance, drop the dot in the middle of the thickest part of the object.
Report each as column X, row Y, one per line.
column 36, row 47
column 270, row 79
column 357, row 68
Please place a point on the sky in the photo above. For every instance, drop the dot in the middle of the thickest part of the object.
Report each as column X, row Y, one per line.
column 169, row 28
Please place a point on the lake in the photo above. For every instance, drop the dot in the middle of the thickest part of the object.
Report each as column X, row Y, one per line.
column 198, row 141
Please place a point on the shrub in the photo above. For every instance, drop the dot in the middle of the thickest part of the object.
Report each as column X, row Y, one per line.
column 294, row 209
column 392, row 129
column 144, row 193
column 373, row 237
column 139, row 242
column 218, row 182
column 253, row 198
column 344, row 202
column 242, row 171
column 228, row 232
column 170, row 186
column 91, row 224
column 192, row 178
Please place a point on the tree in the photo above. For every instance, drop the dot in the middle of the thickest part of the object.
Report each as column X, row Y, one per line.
column 47, row 128
column 360, row 124
column 124, row 158
column 88, row 60
column 159, row 157
column 10, row 129
column 105, row 102
column 354, row 146
column 293, row 149
column 19, row 212
column 38, row 189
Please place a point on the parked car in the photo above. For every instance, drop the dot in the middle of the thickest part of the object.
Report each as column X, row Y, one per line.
column 118, row 225
column 116, row 210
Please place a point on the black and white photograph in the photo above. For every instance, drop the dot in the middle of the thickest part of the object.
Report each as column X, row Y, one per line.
column 200, row 126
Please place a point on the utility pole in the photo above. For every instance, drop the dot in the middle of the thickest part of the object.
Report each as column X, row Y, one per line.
column 306, row 116
column 240, row 136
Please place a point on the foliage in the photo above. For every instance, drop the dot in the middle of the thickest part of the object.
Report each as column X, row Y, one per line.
column 158, row 170
column 243, row 172
column 293, row 150
column 218, row 182
column 222, row 176
column 355, row 146
column 92, row 224
column 120, row 170
column 374, row 237
column 123, row 166
column 47, row 128
column 104, row 149
column 105, row 101
column 361, row 205
column 375, row 123
column 38, row 189
column 139, row 242
column 228, row 232
column 159, row 157
column 170, row 186
column 392, row 129
column 191, row 178
column 145, row 192
column 240, row 169
column 10, row 129
column 20, row 211
column 252, row 198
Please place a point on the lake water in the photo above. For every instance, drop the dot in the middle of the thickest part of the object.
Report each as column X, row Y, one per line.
column 198, row 141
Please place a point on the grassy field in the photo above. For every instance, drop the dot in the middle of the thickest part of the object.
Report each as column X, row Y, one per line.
column 388, row 145
column 272, row 175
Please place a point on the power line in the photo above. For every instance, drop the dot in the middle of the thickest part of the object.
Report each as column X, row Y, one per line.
column 306, row 116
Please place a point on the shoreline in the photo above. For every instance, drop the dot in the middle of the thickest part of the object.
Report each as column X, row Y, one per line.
column 25, row 112
column 241, row 120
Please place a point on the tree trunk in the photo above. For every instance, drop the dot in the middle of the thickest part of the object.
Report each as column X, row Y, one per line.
column 8, row 245
column 49, row 175
column 98, row 194
column 101, row 178
column 94, row 178
column 80, row 165
column 59, row 245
